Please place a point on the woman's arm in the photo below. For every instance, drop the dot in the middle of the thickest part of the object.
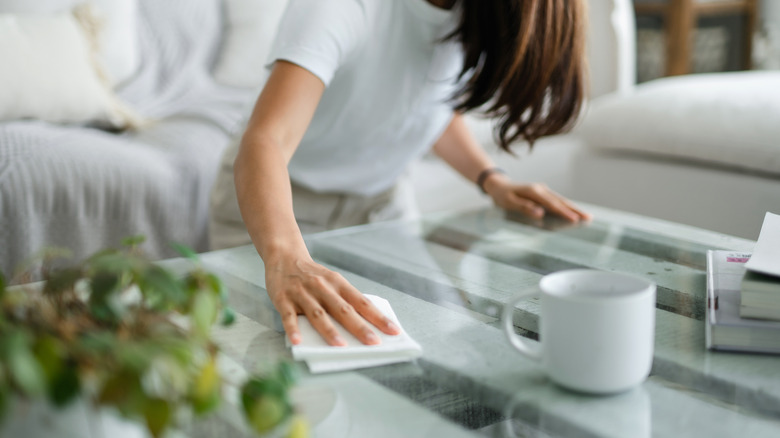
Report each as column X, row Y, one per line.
column 295, row 283
column 458, row 148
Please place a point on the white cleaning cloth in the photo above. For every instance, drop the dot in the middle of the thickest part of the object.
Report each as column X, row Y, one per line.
column 322, row 358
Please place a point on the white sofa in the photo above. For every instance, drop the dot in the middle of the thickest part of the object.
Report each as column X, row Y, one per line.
column 703, row 150
column 699, row 149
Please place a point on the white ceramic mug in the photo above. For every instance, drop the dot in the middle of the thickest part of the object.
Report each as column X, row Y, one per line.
column 596, row 329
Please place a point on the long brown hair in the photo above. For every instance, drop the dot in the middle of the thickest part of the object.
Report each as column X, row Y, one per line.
column 524, row 63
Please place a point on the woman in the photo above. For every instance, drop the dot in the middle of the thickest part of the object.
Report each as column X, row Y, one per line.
column 360, row 88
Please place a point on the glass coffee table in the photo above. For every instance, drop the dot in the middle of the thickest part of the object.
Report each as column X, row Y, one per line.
column 447, row 277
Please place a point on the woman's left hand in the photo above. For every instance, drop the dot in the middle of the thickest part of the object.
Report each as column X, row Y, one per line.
column 533, row 200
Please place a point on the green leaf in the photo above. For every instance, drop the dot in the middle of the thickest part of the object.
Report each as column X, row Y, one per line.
column 3, row 401
column 216, row 285
column 161, row 289
column 99, row 342
column 135, row 356
column 3, row 284
column 228, row 316
column 23, row 369
column 207, row 380
column 158, row 414
column 124, row 391
column 286, row 374
column 265, row 399
column 98, row 255
column 65, row 386
column 103, row 284
column 178, row 349
column 133, row 241
column 206, row 405
column 191, row 285
column 258, row 387
column 185, row 251
column 50, row 355
column 104, row 300
column 62, row 280
column 104, row 304
column 299, row 427
column 265, row 413
column 118, row 388
column 206, row 388
column 204, row 312
column 167, row 378
column 112, row 261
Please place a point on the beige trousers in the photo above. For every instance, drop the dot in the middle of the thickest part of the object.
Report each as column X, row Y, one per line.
column 314, row 211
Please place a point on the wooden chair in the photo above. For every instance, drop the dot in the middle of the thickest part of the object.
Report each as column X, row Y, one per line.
column 680, row 18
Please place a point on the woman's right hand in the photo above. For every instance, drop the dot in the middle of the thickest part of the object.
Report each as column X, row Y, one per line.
column 298, row 285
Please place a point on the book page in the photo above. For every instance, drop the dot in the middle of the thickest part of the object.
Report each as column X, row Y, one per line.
column 766, row 255
column 727, row 271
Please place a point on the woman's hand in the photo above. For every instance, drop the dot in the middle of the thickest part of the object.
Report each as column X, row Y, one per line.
column 299, row 285
column 533, row 200
column 295, row 283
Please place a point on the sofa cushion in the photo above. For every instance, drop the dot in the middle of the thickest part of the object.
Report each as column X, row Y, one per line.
column 118, row 49
column 727, row 119
column 54, row 75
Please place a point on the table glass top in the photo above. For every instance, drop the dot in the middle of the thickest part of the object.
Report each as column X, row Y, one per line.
column 447, row 277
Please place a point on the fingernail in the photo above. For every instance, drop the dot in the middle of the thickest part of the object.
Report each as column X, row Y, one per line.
column 338, row 340
column 392, row 327
column 371, row 338
column 295, row 338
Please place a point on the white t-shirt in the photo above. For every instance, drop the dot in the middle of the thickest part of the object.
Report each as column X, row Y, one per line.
column 389, row 81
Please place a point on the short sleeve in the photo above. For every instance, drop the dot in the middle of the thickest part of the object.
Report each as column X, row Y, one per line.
column 319, row 35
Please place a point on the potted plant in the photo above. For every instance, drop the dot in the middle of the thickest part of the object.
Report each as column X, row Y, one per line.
column 125, row 336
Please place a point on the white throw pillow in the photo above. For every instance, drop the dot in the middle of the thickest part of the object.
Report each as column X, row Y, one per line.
column 50, row 72
column 730, row 119
column 249, row 32
column 119, row 51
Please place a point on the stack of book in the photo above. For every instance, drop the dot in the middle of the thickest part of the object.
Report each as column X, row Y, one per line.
column 760, row 296
column 760, row 290
column 743, row 295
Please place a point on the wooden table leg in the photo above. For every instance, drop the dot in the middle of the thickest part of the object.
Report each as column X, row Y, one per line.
column 680, row 25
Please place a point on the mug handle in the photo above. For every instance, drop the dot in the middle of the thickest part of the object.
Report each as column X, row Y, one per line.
column 528, row 349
